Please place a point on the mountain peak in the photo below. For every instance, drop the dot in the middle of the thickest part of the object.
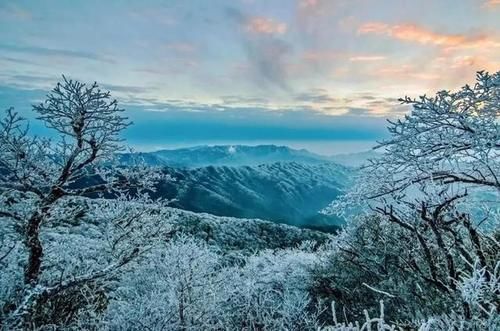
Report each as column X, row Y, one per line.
column 230, row 155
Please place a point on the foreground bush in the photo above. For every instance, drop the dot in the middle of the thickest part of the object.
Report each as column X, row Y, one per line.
column 185, row 286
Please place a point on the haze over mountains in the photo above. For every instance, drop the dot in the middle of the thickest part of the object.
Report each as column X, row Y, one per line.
column 237, row 155
column 269, row 182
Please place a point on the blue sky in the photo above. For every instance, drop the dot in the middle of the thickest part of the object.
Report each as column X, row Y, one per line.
column 248, row 70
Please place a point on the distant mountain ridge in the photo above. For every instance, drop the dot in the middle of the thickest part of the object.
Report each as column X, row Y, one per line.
column 225, row 155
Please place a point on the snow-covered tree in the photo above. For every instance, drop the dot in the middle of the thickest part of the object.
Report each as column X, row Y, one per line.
column 437, row 182
column 271, row 291
column 481, row 290
column 42, row 182
column 178, row 287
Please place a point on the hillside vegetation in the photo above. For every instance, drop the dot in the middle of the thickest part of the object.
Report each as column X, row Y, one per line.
column 285, row 192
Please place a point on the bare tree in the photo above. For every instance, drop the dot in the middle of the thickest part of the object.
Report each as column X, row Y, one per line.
column 39, row 176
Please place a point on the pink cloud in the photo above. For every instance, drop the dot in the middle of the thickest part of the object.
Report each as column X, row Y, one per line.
column 491, row 3
column 308, row 3
column 421, row 35
column 426, row 74
column 264, row 25
column 373, row 27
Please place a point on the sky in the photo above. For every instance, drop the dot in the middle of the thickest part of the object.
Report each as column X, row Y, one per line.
column 306, row 72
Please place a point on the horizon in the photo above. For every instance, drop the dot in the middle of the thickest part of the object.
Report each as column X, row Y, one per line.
column 322, row 148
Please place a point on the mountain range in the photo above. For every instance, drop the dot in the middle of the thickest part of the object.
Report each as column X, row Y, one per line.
column 269, row 182
column 240, row 155
column 225, row 155
column 285, row 192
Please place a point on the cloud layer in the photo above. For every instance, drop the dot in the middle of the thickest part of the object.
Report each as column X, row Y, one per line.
column 308, row 61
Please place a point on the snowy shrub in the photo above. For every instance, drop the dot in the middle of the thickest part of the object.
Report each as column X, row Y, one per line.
column 184, row 286
column 481, row 289
column 176, row 288
column 270, row 291
column 377, row 323
column 11, row 266
column 457, row 322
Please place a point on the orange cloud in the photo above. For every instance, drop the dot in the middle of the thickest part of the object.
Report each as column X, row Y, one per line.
column 263, row 25
column 491, row 3
column 467, row 63
column 426, row 74
column 373, row 27
column 421, row 35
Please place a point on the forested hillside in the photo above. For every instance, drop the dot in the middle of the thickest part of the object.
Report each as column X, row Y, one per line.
column 285, row 192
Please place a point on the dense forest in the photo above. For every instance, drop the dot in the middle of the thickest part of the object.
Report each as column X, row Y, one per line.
column 87, row 243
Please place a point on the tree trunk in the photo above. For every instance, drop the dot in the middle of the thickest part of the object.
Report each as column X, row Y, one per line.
column 32, row 272
column 32, row 239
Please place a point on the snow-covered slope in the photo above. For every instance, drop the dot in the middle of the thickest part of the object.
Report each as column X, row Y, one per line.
column 229, row 233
